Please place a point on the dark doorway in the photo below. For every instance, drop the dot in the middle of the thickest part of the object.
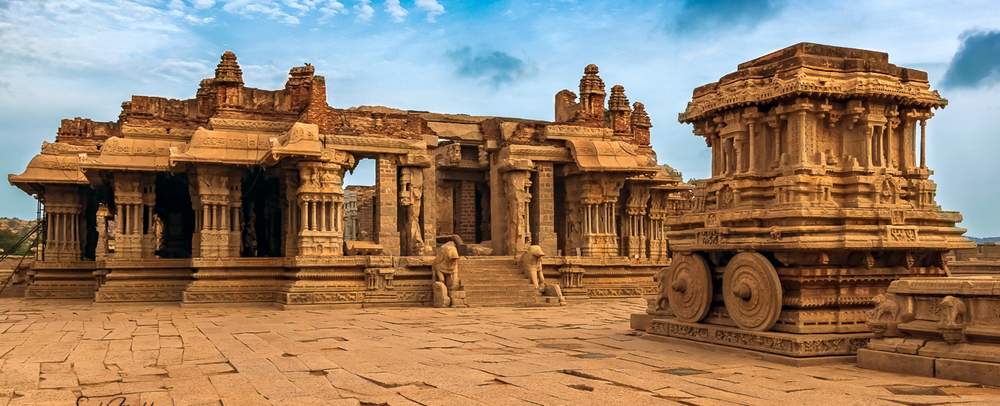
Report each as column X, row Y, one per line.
column 261, row 232
column 173, row 207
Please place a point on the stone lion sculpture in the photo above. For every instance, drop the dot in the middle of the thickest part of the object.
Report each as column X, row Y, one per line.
column 530, row 263
column 448, row 291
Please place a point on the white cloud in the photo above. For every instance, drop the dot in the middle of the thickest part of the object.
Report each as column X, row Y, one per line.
column 183, row 71
column 331, row 8
column 202, row 4
column 364, row 10
column 83, row 33
column 432, row 7
column 266, row 8
column 395, row 10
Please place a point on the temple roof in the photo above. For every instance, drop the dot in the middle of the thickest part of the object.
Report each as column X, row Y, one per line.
column 609, row 156
column 807, row 69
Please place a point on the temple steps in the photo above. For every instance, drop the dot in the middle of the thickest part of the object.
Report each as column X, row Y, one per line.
column 496, row 281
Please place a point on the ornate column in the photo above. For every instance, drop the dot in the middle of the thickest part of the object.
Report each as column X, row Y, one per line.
column 387, row 227
column 923, row 143
column 62, row 213
column 151, row 227
column 130, row 197
column 411, row 197
column 213, row 188
column 635, row 210
column 320, row 189
column 466, row 211
column 517, row 191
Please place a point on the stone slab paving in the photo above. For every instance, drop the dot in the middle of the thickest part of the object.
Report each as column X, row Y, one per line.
column 581, row 354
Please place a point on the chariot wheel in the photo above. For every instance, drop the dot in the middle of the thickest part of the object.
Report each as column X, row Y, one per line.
column 752, row 291
column 689, row 288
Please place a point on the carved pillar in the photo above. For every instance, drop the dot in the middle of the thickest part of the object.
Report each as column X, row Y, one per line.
column 545, row 198
column 130, row 195
column 319, row 195
column 387, row 226
column 63, row 207
column 293, row 211
column 411, row 197
column 923, row 143
column 635, row 230
column 211, row 195
column 517, row 191
column 430, row 200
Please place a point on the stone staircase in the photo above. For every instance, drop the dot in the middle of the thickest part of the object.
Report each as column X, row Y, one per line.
column 496, row 281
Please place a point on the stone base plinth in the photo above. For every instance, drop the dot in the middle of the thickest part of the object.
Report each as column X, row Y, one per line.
column 139, row 281
column 966, row 370
column 786, row 344
column 68, row 280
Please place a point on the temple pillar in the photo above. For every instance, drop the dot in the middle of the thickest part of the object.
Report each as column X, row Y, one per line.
column 130, row 194
column 430, row 200
column 387, row 227
column 545, row 207
column 923, row 143
column 63, row 208
column 320, row 189
column 517, row 191
column 213, row 189
column 411, row 198
column 635, row 212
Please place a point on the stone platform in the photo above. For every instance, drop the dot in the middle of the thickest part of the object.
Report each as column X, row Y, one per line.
column 783, row 344
column 942, row 327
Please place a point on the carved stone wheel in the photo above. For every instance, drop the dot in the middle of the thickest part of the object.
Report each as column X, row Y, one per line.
column 689, row 288
column 752, row 291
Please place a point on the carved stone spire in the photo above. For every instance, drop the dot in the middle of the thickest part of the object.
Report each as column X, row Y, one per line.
column 618, row 101
column 228, row 70
column 640, row 124
column 591, row 94
column 619, row 110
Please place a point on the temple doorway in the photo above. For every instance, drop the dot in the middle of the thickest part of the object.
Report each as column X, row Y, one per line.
column 359, row 201
column 173, row 208
column 261, row 211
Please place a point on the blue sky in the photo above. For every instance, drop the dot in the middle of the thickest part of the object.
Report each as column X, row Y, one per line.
column 84, row 57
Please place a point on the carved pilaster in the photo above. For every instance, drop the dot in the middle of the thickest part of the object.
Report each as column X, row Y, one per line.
column 320, row 205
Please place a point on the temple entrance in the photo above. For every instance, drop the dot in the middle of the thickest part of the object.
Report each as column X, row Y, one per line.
column 173, row 209
column 359, row 202
column 261, row 211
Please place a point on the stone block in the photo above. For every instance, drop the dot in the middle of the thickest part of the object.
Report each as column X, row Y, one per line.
column 896, row 362
column 986, row 373
column 640, row 321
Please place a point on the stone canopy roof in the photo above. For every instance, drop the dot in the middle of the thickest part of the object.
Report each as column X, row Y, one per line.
column 807, row 69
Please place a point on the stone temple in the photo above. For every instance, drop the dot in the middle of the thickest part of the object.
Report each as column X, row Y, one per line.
column 237, row 195
column 817, row 237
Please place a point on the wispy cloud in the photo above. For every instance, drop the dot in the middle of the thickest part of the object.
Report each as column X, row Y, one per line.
column 364, row 10
column 977, row 62
column 700, row 16
column 432, row 7
column 493, row 67
column 182, row 71
column 266, row 8
column 395, row 10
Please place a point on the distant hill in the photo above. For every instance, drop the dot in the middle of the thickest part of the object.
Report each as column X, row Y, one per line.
column 11, row 230
column 985, row 240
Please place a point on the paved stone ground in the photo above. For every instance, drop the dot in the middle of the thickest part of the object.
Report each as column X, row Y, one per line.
column 580, row 354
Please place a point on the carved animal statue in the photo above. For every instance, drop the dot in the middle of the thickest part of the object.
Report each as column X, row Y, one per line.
column 952, row 312
column 445, row 267
column 951, row 323
column 530, row 263
column 661, row 278
column 884, row 317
